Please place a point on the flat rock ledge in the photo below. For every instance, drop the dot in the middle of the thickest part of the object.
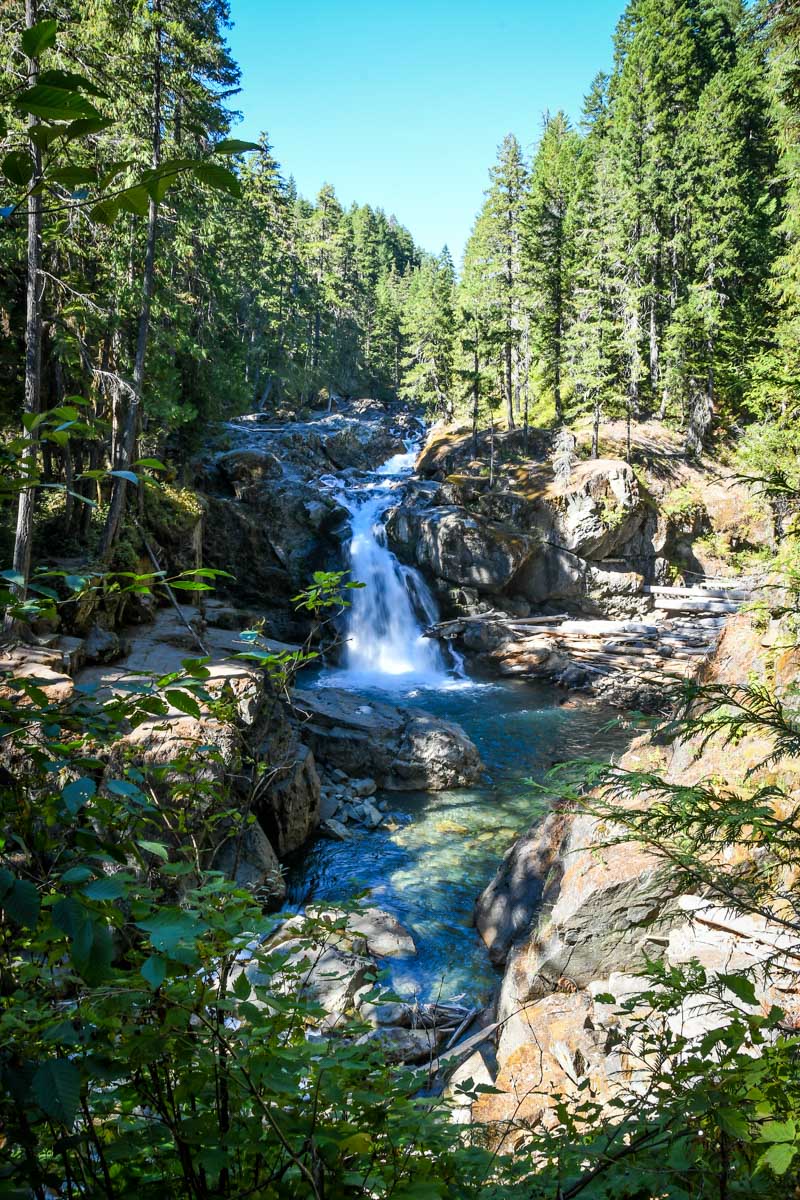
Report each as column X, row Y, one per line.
column 401, row 749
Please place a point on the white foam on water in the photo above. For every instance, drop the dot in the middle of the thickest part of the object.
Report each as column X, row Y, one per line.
column 385, row 644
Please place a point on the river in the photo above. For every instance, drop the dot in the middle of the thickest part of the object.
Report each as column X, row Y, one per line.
column 445, row 846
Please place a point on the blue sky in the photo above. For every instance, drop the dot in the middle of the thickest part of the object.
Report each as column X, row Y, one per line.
column 402, row 104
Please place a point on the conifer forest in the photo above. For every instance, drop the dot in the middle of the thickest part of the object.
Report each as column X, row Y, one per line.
column 400, row 645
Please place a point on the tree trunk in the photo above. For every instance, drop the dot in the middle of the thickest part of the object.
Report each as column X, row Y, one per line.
column 557, row 378
column 128, row 440
column 596, row 428
column 476, row 397
column 526, row 384
column 653, row 346
column 509, row 388
column 33, row 349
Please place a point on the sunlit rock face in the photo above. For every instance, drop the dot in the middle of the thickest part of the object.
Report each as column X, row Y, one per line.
column 403, row 749
column 576, row 916
column 461, row 548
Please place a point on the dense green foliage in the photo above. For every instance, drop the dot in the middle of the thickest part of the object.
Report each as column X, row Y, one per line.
column 260, row 297
column 634, row 277
column 645, row 265
column 648, row 264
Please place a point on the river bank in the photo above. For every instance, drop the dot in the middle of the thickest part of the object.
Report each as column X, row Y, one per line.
column 423, row 771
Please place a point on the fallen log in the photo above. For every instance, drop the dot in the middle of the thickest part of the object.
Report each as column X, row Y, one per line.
column 699, row 593
column 710, row 607
column 462, row 1048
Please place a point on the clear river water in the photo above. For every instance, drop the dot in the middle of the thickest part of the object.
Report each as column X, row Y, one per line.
column 445, row 846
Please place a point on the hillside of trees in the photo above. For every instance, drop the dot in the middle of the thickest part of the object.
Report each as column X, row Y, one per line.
column 160, row 276
column 643, row 263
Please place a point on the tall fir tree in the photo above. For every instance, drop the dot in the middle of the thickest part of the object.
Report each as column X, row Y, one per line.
column 549, row 254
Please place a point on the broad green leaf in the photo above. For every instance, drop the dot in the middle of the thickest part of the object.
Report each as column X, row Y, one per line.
column 109, row 887
column 70, row 81
column 733, row 1122
column 242, row 987
column 92, row 947
column 185, row 702
column 56, row 1087
column 44, row 135
column 113, row 170
column 85, row 126
column 153, row 464
column 122, row 787
column 778, row 1158
column 106, row 213
column 21, row 903
column 234, row 146
column 128, row 475
column 154, row 971
column 18, row 167
column 76, row 794
column 196, row 667
column 77, row 875
column 135, row 200
column 218, row 177
column 741, row 986
column 54, row 104
column 72, row 176
column 207, row 573
column 156, row 848
column 778, row 1131
column 39, row 37
column 13, row 577
column 159, row 180
column 171, row 930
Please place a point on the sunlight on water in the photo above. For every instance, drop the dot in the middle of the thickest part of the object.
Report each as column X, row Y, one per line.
column 447, row 846
column 385, row 646
column 444, row 847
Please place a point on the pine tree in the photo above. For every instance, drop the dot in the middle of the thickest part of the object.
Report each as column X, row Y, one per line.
column 498, row 259
column 429, row 330
column 593, row 341
column 549, row 252
column 778, row 383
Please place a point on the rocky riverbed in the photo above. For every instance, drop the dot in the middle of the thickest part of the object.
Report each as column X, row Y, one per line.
column 397, row 788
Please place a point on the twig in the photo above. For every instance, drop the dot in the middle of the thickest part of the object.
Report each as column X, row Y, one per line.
column 170, row 592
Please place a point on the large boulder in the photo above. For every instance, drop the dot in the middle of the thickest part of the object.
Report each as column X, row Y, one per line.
column 598, row 509
column 505, row 910
column 580, row 915
column 248, row 747
column 329, row 975
column 608, row 908
column 248, row 858
column 290, row 806
column 272, row 536
column 402, row 749
column 400, row 1045
column 455, row 545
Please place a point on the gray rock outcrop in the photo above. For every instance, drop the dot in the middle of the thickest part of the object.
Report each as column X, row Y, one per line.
column 402, row 749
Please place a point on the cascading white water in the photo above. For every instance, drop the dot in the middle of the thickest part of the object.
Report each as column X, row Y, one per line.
column 385, row 643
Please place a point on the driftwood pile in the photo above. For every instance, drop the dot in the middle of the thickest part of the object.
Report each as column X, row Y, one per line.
column 669, row 645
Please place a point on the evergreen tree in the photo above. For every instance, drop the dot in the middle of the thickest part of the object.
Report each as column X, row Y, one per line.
column 777, row 386
column 549, row 252
column 429, row 330
column 593, row 340
column 496, row 254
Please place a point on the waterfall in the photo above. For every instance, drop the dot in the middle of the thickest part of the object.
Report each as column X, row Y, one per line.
column 385, row 644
